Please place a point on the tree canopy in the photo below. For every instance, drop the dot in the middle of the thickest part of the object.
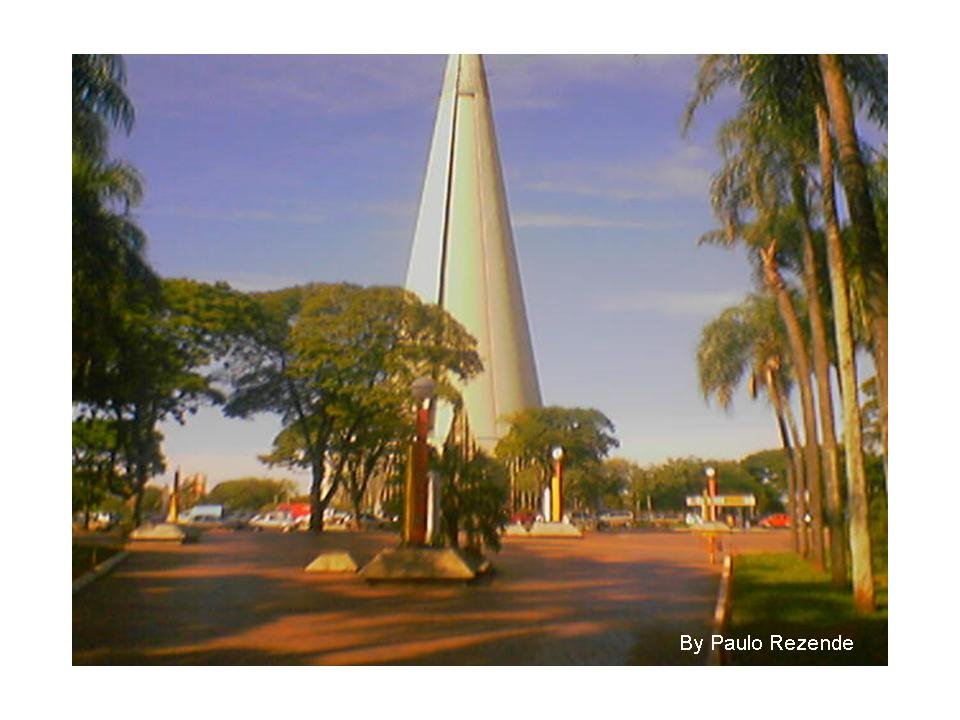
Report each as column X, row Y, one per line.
column 335, row 362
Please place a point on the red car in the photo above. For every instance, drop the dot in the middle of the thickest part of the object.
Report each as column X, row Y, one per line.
column 777, row 520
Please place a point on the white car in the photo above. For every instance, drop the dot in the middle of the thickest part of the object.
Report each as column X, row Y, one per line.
column 615, row 519
column 276, row 520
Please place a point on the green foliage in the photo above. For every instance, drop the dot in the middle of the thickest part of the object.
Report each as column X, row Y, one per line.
column 142, row 348
column 601, row 485
column 472, row 499
column 335, row 362
column 586, row 436
column 249, row 494
column 745, row 341
column 870, row 417
column 669, row 483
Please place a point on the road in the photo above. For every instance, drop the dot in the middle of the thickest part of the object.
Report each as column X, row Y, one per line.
column 243, row 598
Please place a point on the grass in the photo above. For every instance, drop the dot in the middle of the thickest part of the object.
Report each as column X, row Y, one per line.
column 87, row 557
column 782, row 594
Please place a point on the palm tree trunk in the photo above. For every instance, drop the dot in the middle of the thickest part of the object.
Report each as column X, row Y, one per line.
column 860, row 554
column 800, row 494
column 856, row 188
column 853, row 173
column 821, row 371
column 880, row 360
column 802, row 363
column 778, row 401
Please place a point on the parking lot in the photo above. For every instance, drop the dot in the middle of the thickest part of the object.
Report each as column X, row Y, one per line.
column 243, row 597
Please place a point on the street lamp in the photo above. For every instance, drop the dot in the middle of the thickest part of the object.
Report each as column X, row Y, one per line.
column 423, row 390
column 556, row 489
column 711, row 493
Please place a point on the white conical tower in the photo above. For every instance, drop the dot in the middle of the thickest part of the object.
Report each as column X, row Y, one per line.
column 463, row 255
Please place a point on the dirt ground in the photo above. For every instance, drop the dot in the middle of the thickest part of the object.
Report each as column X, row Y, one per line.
column 243, row 598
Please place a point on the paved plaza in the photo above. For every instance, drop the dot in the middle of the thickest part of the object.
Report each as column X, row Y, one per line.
column 243, row 597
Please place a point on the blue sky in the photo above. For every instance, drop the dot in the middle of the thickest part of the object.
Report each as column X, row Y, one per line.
column 268, row 171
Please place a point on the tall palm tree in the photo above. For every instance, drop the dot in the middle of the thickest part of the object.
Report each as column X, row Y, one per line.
column 100, row 102
column 109, row 267
column 791, row 90
column 749, row 195
column 748, row 341
column 858, row 504
column 862, row 72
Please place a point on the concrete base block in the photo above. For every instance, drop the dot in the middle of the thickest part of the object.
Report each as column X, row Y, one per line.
column 167, row 532
column 417, row 564
column 515, row 530
column 332, row 562
column 554, row 529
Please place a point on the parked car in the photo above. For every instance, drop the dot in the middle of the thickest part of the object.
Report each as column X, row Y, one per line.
column 332, row 516
column 776, row 520
column 615, row 519
column 282, row 521
column 583, row 519
column 238, row 521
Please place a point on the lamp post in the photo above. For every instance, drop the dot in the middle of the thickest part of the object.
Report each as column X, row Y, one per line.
column 711, row 494
column 415, row 512
column 556, row 489
column 173, row 510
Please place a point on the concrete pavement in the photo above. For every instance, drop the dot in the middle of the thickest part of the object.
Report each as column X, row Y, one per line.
column 242, row 598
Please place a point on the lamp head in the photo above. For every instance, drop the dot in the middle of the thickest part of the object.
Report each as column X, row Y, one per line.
column 423, row 388
column 557, row 453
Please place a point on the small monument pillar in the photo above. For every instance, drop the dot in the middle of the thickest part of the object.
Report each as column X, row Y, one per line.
column 417, row 506
column 556, row 486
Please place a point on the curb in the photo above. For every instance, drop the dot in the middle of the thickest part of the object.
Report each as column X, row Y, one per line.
column 721, row 613
column 100, row 570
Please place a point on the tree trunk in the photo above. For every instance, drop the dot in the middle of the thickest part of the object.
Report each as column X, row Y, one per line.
column 799, row 500
column 880, row 360
column 853, row 173
column 778, row 402
column 856, row 188
column 860, row 553
column 801, row 361
column 317, row 505
column 821, row 371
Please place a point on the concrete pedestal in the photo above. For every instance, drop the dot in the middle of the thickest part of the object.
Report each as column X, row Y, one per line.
column 420, row 563
column 555, row 529
column 332, row 562
column 166, row 532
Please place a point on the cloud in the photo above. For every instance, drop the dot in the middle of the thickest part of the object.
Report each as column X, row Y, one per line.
column 669, row 302
column 533, row 82
column 301, row 216
column 317, row 83
column 560, row 220
column 364, row 83
column 248, row 281
column 683, row 174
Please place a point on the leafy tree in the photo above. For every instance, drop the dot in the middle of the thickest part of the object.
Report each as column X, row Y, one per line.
column 164, row 369
column 600, row 485
column 96, row 471
column 335, row 362
column 586, row 436
column 249, row 494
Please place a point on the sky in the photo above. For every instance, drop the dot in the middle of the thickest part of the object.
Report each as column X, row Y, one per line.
column 271, row 171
